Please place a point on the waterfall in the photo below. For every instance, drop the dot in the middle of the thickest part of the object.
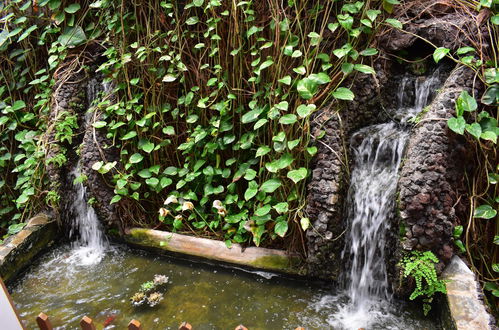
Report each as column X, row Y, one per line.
column 377, row 151
column 91, row 244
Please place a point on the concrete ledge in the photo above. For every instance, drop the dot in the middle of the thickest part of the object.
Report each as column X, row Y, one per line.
column 268, row 259
column 465, row 309
column 18, row 250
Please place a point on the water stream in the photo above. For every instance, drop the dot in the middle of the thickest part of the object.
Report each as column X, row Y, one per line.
column 91, row 244
column 377, row 151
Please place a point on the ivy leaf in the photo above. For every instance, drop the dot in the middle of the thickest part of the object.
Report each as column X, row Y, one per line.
column 440, row 53
column 72, row 8
column 99, row 124
column 165, row 182
column 457, row 124
column 264, row 210
column 320, row 78
column 261, row 151
column 285, row 80
column 27, row 33
column 474, row 129
column 306, row 88
column 495, row 268
column 491, row 95
column 168, row 130
column 115, row 199
column 490, row 136
column 343, row 93
column 395, row 23
column 297, row 175
column 281, row 228
column 484, row 212
column 281, row 207
column 251, row 116
column 369, row 52
column 266, row 64
column 153, row 182
column 496, row 240
column 288, row 119
column 169, row 78
column 270, row 186
column 282, row 106
column 280, row 163
column 465, row 102
column 192, row 20
column 305, row 110
column 18, row 105
column 251, row 191
column 72, row 36
column 305, row 223
column 136, row 158
column 260, row 123
column 364, row 68
column 145, row 173
column 346, row 68
column 147, row 147
column 457, row 232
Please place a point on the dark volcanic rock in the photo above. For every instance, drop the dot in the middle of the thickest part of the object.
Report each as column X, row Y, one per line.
column 326, row 192
column 432, row 177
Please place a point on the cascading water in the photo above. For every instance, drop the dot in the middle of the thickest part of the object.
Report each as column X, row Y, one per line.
column 378, row 151
column 91, row 244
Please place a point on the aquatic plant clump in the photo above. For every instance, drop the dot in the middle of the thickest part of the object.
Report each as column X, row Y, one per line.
column 147, row 292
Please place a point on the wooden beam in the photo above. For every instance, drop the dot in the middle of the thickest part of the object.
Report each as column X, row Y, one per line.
column 185, row 326
column 86, row 323
column 43, row 322
column 134, row 325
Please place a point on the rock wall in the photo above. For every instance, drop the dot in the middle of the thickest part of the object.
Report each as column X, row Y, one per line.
column 432, row 177
column 75, row 94
column 326, row 193
column 96, row 146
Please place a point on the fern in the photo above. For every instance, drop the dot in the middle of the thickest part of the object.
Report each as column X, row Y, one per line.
column 421, row 267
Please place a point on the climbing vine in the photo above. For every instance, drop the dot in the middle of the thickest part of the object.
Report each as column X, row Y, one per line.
column 213, row 104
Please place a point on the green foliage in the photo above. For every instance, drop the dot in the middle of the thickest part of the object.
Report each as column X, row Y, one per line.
column 213, row 104
column 421, row 267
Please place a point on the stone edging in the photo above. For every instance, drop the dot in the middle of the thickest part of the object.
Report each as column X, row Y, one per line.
column 464, row 310
column 262, row 258
column 18, row 250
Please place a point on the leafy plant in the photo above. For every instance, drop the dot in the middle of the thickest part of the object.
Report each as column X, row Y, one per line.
column 420, row 266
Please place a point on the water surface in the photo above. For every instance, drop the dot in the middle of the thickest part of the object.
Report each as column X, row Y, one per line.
column 206, row 296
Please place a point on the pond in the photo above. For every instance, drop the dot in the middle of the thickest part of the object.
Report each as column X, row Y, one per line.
column 207, row 296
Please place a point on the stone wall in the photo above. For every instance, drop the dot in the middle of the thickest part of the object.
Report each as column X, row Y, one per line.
column 17, row 252
column 326, row 193
column 432, row 176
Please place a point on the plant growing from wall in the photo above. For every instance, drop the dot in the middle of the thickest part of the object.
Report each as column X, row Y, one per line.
column 420, row 266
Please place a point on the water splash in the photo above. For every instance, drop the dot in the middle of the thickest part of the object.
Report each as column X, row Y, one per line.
column 91, row 244
column 378, row 152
